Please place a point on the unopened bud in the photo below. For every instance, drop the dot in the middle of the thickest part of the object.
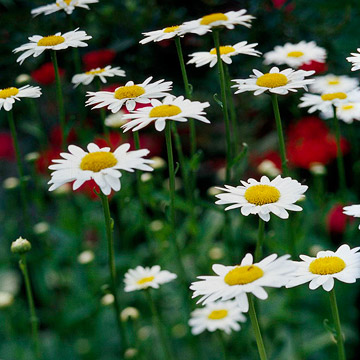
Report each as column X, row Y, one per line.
column 20, row 246
column 129, row 313
column 130, row 353
column 6, row 299
column 158, row 162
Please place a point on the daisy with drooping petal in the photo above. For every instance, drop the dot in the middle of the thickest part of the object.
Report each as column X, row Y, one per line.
column 209, row 57
column 264, row 197
column 295, row 55
column 163, row 34
column 354, row 60
column 102, row 73
column 10, row 94
column 38, row 44
column 99, row 164
column 352, row 210
column 66, row 5
column 129, row 94
column 224, row 315
column 347, row 112
column 333, row 83
column 143, row 278
column 171, row 108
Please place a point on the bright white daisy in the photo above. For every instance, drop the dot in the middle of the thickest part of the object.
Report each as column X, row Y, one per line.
column 129, row 95
column 264, row 197
column 275, row 81
column 99, row 164
column 234, row 282
column 333, row 83
column 171, row 108
column 295, row 55
column 223, row 315
column 347, row 112
column 102, row 73
column 163, row 34
column 10, row 94
column 66, row 5
column 226, row 52
column 355, row 60
column 143, row 278
column 38, row 44
column 206, row 23
column 352, row 210
column 343, row 265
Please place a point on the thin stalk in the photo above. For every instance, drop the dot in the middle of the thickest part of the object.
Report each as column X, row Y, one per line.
column 33, row 318
column 256, row 328
column 224, row 103
column 280, row 134
column 102, row 112
column 339, row 336
column 260, row 240
column 222, row 343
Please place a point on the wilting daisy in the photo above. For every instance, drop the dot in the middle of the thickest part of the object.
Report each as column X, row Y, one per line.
column 347, row 112
column 163, row 34
column 10, row 94
column 226, row 52
column 333, row 83
column 224, row 315
column 275, row 81
column 343, row 265
column 352, row 210
column 99, row 164
column 66, row 5
column 102, row 73
column 234, row 282
column 129, row 94
column 171, row 108
column 264, row 197
column 143, row 278
column 38, row 44
column 295, row 55
column 355, row 60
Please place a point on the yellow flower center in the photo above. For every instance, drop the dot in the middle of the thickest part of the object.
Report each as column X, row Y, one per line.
column 51, row 40
column 129, row 92
column 218, row 314
column 347, row 107
column 295, row 54
column 333, row 96
column 242, row 275
column 334, row 82
column 145, row 280
column 94, row 72
column 67, row 2
column 165, row 111
column 209, row 19
column 327, row 265
column 98, row 160
column 11, row 91
column 262, row 194
column 171, row 29
column 272, row 80
column 223, row 50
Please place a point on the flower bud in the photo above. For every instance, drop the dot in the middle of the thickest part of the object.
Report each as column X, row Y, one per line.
column 107, row 299
column 86, row 257
column 130, row 353
column 158, row 162
column 6, row 299
column 129, row 313
column 20, row 246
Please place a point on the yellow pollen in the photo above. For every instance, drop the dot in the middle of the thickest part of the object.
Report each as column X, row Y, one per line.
column 242, row 275
column 129, row 92
column 333, row 96
column 262, row 194
column 11, row 91
column 223, row 50
column 51, row 40
column 209, row 19
column 165, row 111
column 334, row 82
column 347, row 107
column 295, row 54
column 218, row 314
column 145, row 280
column 327, row 265
column 171, row 29
column 272, row 80
column 98, row 160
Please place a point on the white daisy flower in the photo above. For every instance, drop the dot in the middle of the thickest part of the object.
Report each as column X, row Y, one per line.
column 295, row 55
column 355, row 60
column 333, row 83
column 115, row 120
column 224, row 315
column 275, row 81
column 352, row 210
column 343, row 265
column 38, row 44
column 171, row 108
column 143, row 278
column 205, row 57
column 163, row 34
column 66, row 5
column 206, row 23
column 264, row 197
column 129, row 94
column 234, row 282
column 347, row 112
column 99, row 164
column 10, row 94
column 102, row 73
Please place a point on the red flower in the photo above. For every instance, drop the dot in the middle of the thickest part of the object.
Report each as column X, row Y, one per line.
column 6, row 146
column 45, row 160
column 99, row 58
column 336, row 220
column 319, row 67
column 56, row 137
column 115, row 140
column 111, row 87
column 270, row 155
column 45, row 75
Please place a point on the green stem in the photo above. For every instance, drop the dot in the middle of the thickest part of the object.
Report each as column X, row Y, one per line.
column 260, row 240
column 256, row 328
column 59, row 96
column 102, row 112
column 280, row 134
column 339, row 336
column 222, row 343
column 33, row 318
